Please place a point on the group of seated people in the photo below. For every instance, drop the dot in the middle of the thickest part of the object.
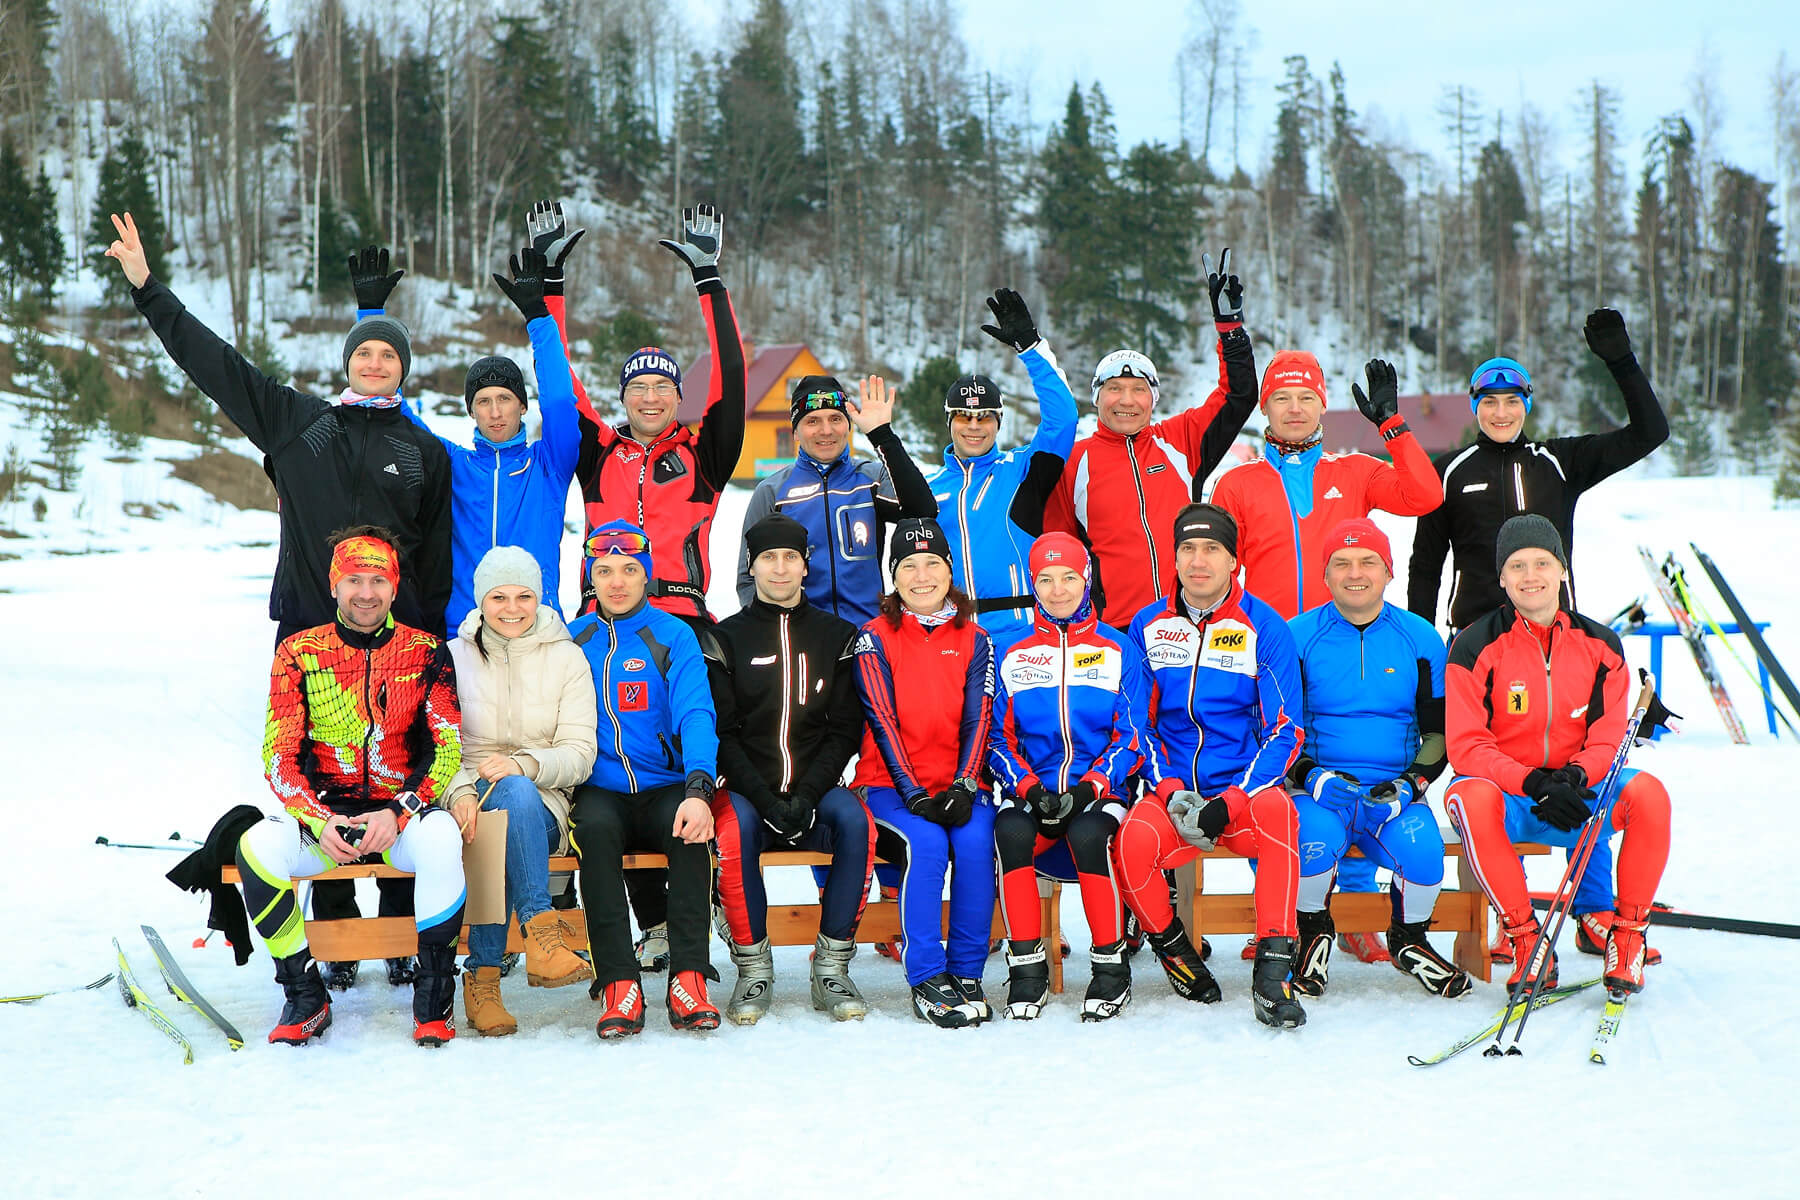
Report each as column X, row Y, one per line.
column 1070, row 665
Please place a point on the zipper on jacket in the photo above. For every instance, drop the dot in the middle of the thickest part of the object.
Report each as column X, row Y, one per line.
column 1299, row 569
column 368, row 716
column 787, row 701
column 962, row 518
column 668, row 751
column 1519, row 485
column 1199, row 730
column 494, row 510
column 830, row 532
column 606, row 702
column 1549, row 692
column 1062, row 710
column 1137, row 481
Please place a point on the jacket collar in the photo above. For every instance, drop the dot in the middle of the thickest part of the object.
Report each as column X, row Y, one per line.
column 359, row 640
column 763, row 608
column 1232, row 603
column 513, row 442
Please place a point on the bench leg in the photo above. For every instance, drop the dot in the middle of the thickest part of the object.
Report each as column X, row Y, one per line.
column 1471, row 951
column 1052, row 927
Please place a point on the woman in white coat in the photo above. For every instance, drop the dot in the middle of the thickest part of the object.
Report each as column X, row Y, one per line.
column 528, row 718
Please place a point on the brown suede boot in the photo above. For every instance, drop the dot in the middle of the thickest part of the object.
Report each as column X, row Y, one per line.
column 482, row 1005
column 548, row 960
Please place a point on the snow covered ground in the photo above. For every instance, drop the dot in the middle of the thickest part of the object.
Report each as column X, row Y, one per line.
column 134, row 687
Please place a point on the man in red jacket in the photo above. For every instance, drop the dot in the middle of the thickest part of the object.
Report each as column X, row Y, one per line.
column 1125, row 482
column 1536, row 705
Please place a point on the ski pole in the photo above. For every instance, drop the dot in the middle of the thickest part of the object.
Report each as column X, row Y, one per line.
column 1584, row 849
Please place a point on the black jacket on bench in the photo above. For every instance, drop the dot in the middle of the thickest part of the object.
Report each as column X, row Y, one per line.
column 333, row 466
column 784, row 687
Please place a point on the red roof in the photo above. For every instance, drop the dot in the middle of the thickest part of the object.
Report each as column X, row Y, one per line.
column 1441, row 421
column 766, row 370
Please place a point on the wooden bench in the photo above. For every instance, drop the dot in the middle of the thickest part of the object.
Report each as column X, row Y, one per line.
column 1463, row 909
column 356, row 938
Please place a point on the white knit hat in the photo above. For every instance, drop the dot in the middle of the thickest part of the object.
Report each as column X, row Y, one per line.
column 505, row 565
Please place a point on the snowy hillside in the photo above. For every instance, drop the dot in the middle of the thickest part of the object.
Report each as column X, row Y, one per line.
column 134, row 691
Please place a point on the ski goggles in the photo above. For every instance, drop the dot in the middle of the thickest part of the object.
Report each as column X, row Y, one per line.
column 602, row 542
column 1500, row 375
column 814, row 401
column 1127, row 364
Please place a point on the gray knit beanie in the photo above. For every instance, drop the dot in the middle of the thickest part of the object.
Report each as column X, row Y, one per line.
column 1528, row 531
column 508, row 565
column 381, row 328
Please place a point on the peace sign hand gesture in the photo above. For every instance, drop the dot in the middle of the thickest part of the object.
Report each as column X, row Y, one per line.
column 129, row 250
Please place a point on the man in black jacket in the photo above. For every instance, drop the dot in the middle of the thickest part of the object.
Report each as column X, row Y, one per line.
column 354, row 462
column 784, row 687
column 358, row 461
column 1503, row 474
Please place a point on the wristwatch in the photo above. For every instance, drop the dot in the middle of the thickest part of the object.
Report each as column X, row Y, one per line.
column 972, row 786
column 407, row 804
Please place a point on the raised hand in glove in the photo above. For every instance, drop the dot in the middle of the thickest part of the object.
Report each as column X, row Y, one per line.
column 1383, row 400
column 1606, row 336
column 790, row 817
column 699, row 244
column 1567, row 802
column 370, row 278
column 1224, row 289
column 954, row 805
column 1012, row 321
column 1198, row 820
column 526, row 288
column 550, row 237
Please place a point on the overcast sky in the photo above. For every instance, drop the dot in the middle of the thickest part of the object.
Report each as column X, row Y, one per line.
column 1397, row 63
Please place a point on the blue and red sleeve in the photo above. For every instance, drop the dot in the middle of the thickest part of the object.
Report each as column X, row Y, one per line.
column 875, row 681
column 978, row 705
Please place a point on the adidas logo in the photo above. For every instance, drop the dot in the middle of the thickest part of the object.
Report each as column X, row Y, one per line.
column 391, row 469
column 1332, row 493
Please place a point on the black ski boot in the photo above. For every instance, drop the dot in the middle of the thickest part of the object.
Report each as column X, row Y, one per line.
column 970, row 987
column 434, row 992
column 1183, row 965
column 341, row 976
column 400, row 970
column 1109, row 991
column 1317, row 932
column 1270, row 992
column 306, row 1014
column 1414, row 956
column 940, row 1001
column 1027, row 979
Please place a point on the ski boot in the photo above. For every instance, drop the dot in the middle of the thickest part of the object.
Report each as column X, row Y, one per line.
column 1183, row 965
column 400, row 970
column 688, row 1006
column 970, row 986
column 548, row 960
column 832, row 990
column 434, row 994
column 1626, row 955
column 1413, row 955
column 1109, row 991
column 752, row 993
column 652, row 949
column 940, row 1001
column 1027, row 979
column 341, row 976
column 1314, row 968
column 306, row 1011
column 1524, row 941
column 1271, row 994
column 624, row 1013
column 482, row 1004
column 1364, row 947
column 890, row 949
column 1590, row 937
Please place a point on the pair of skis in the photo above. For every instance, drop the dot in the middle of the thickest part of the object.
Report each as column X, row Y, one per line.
column 1604, row 1032
column 176, row 980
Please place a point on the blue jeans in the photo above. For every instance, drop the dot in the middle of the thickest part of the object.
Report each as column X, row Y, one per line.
column 927, row 850
column 531, row 837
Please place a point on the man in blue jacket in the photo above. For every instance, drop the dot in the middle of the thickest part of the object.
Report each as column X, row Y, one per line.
column 991, row 500
column 1373, row 675
column 652, row 786
column 504, row 491
column 845, row 503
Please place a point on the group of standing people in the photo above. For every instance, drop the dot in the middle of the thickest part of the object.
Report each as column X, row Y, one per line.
column 1071, row 664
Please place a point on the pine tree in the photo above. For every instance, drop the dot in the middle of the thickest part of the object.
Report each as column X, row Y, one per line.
column 1077, row 215
column 15, row 198
column 45, row 255
column 125, row 187
column 1156, row 248
column 757, row 152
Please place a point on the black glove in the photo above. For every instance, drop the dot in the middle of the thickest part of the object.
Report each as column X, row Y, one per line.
column 526, row 288
column 550, row 238
column 1086, row 796
column 790, row 817
column 1567, row 802
column 1012, row 320
column 1225, row 290
column 1037, row 800
column 1657, row 716
column 370, row 279
column 1606, row 336
column 1537, row 781
column 923, row 804
column 1383, row 400
column 699, row 244
column 954, row 805
column 1303, row 767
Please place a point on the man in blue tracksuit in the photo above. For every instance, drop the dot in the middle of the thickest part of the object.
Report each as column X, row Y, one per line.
column 1373, row 675
column 845, row 503
column 504, row 491
column 991, row 502
column 652, row 786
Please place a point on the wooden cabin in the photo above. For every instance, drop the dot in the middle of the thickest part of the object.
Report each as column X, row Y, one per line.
column 771, row 374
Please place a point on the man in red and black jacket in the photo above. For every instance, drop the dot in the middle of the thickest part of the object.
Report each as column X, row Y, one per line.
column 1536, row 706
column 652, row 470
